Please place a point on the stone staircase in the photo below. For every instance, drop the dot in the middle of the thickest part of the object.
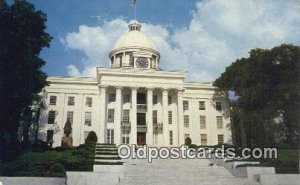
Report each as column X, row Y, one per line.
column 176, row 172
column 107, row 154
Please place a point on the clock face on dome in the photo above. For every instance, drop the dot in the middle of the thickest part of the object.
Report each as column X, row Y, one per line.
column 142, row 62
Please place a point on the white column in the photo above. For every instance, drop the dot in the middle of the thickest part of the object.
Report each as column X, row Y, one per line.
column 165, row 116
column 118, row 115
column 133, row 135
column 149, row 139
column 180, row 117
column 102, row 137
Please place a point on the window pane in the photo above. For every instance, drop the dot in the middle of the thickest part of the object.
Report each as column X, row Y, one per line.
column 52, row 100
column 220, row 139
column 219, row 122
column 111, row 115
column 88, row 118
column 185, row 105
column 51, row 117
column 171, row 137
column 186, row 121
column 154, row 116
column 126, row 117
column 89, row 102
column 170, row 117
column 202, row 122
column 201, row 105
column 203, row 139
column 169, row 100
column 154, row 99
column 126, row 98
column 71, row 100
column 111, row 97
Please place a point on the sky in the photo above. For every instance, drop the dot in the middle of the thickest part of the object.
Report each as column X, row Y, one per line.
column 202, row 37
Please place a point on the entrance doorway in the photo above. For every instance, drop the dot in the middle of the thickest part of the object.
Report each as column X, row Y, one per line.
column 141, row 138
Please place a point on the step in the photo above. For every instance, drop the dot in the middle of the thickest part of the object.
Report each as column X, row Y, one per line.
column 107, row 160
column 106, row 149
column 106, row 153
column 108, row 163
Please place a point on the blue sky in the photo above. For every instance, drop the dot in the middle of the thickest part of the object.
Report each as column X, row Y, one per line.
column 202, row 37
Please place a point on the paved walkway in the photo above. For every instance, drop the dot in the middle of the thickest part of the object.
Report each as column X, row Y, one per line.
column 176, row 172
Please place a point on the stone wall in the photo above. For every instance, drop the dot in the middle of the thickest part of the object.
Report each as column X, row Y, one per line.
column 32, row 181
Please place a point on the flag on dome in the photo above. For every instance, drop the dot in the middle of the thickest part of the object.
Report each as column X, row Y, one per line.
column 132, row 2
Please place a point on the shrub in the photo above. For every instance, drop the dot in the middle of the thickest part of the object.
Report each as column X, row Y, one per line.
column 57, row 169
column 193, row 146
column 92, row 137
column 188, row 141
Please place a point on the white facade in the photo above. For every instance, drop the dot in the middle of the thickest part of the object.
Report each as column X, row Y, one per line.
column 134, row 102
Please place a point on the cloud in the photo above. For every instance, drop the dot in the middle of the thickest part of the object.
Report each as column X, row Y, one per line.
column 218, row 33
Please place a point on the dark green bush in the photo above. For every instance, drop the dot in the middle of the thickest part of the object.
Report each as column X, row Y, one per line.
column 57, row 169
column 92, row 137
column 188, row 141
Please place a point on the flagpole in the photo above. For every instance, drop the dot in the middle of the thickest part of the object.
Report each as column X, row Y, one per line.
column 135, row 13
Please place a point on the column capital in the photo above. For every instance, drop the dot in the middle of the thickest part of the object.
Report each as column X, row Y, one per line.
column 134, row 88
column 150, row 88
column 180, row 89
column 102, row 86
column 165, row 89
column 119, row 87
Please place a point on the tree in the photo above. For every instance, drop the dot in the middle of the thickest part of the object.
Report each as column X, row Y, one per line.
column 267, row 85
column 22, row 37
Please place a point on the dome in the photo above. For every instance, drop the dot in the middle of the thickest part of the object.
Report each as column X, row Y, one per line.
column 134, row 38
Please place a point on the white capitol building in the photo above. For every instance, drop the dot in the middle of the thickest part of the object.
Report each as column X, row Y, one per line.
column 134, row 102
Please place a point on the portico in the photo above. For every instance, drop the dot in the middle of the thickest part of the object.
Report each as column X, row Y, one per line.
column 141, row 125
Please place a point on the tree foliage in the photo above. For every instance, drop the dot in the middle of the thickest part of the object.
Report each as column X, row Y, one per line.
column 22, row 37
column 267, row 85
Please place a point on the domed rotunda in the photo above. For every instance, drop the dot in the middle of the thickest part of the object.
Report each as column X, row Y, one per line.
column 134, row 50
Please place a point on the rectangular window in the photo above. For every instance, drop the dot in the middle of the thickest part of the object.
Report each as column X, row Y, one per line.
column 154, row 116
column 126, row 98
column 125, row 136
column 186, row 120
column 85, row 134
column 170, row 117
column 202, row 122
column 111, row 115
column 171, row 137
column 203, row 138
column 111, row 97
column 53, row 100
column 219, row 122
column 186, row 136
column 70, row 116
column 185, row 105
column 201, row 105
column 88, row 118
column 126, row 116
column 88, row 101
column 154, row 99
column 218, row 106
column 51, row 117
column 155, row 137
column 110, row 136
column 50, row 134
column 71, row 100
column 141, row 118
column 169, row 100
column 220, row 139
